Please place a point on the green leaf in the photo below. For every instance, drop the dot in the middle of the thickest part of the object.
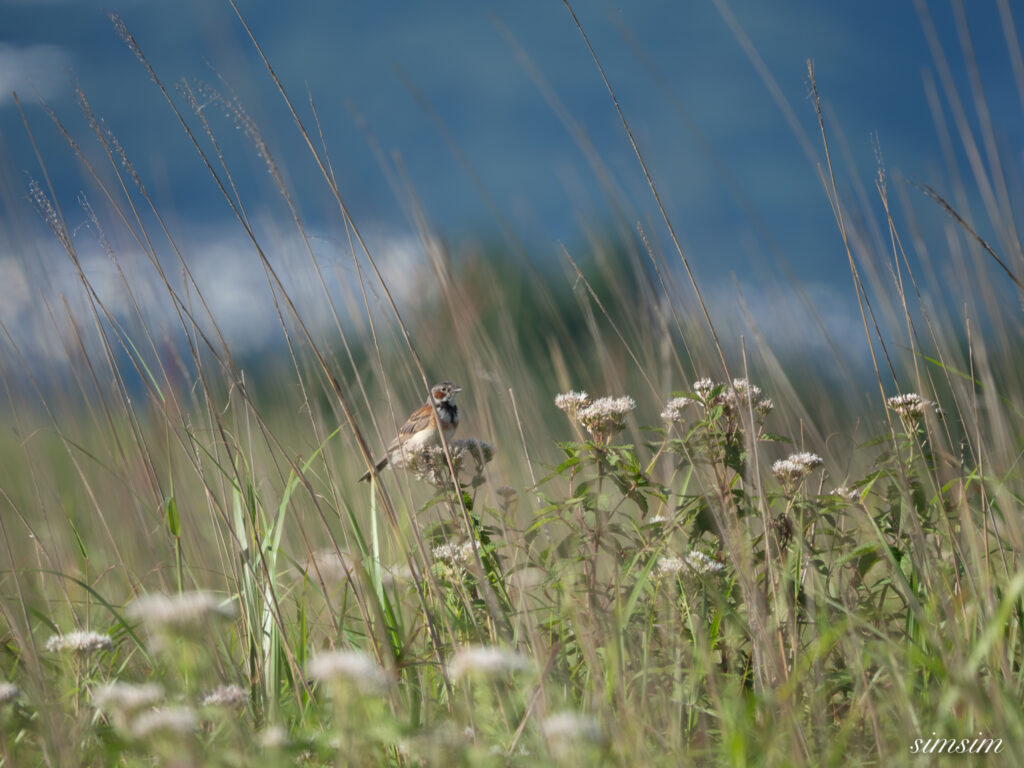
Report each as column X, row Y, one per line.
column 173, row 521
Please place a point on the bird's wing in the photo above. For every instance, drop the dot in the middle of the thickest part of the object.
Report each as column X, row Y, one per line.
column 419, row 420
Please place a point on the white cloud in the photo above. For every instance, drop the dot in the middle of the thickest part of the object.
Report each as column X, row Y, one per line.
column 30, row 69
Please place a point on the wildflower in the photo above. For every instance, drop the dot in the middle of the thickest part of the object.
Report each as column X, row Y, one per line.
column 746, row 393
column 808, row 460
column 572, row 402
column 486, row 661
column 349, row 666
column 846, row 494
column 703, row 564
column 431, row 465
column 566, row 731
column 659, row 519
column 80, row 642
column 606, row 417
column 674, row 409
column 910, row 407
column 8, row 693
column 703, row 388
column 171, row 721
column 452, row 560
column 273, row 737
column 791, row 471
column 180, row 613
column 669, row 565
column 478, row 450
column 126, row 698
column 228, row 696
column 764, row 406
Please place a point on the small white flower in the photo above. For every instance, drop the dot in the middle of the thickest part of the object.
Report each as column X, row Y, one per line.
column 182, row 612
column 659, row 519
column 126, row 698
column 80, row 642
column 171, row 721
column 8, row 692
column 674, row 409
column 486, row 661
column 348, row 666
column 703, row 564
column 229, row 696
column 764, row 406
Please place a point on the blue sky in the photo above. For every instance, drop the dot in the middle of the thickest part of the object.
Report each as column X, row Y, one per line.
column 735, row 178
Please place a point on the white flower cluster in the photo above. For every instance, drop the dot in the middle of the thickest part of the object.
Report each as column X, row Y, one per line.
column 8, row 693
column 126, row 698
column 668, row 565
column 566, row 732
column 791, row 471
column 452, row 560
column 182, row 613
column 695, row 561
column 701, row 563
column 674, row 409
column 486, row 661
column 169, row 721
column 572, row 402
column 740, row 394
column 431, row 465
column 227, row 696
column 80, row 642
column 847, row 494
column 606, row 416
column 603, row 418
column 350, row 667
column 909, row 407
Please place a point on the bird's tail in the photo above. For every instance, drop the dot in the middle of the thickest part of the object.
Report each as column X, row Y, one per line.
column 380, row 465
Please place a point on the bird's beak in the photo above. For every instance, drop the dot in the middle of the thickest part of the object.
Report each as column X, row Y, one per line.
column 457, row 388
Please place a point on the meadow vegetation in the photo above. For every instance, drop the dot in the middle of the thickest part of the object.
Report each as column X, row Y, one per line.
column 652, row 543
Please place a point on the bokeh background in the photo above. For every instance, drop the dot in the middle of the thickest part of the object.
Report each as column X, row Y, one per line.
column 451, row 112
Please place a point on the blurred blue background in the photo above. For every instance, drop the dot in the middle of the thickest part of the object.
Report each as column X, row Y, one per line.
column 735, row 163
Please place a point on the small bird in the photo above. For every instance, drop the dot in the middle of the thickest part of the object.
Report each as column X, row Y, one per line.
column 420, row 429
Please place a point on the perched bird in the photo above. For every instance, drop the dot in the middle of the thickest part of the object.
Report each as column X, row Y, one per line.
column 421, row 428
